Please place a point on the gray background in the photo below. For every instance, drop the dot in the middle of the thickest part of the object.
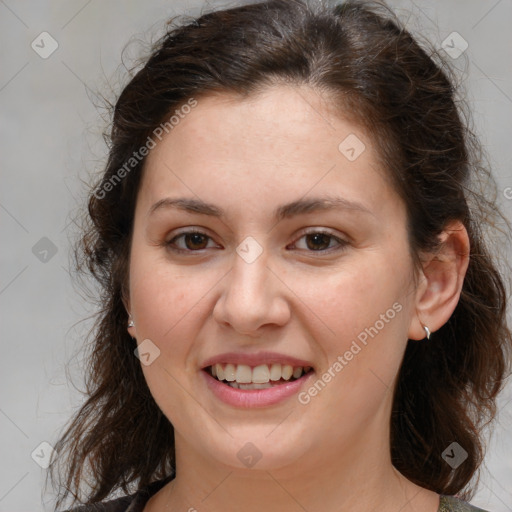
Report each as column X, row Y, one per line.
column 51, row 140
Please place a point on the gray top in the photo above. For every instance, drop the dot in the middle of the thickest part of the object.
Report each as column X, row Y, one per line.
column 137, row 501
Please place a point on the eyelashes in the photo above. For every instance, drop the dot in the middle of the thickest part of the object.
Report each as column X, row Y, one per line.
column 317, row 237
column 192, row 234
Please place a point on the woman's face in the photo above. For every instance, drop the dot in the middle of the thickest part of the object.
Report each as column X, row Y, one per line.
column 271, row 281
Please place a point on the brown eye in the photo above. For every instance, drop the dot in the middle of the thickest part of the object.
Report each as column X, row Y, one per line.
column 321, row 241
column 195, row 241
column 318, row 241
column 191, row 241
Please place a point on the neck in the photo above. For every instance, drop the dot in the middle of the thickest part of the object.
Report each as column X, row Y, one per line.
column 355, row 477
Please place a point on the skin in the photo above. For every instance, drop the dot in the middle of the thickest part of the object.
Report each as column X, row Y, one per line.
column 249, row 156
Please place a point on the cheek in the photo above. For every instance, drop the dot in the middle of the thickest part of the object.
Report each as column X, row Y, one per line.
column 170, row 306
column 159, row 305
column 354, row 297
column 161, row 295
column 365, row 309
column 168, row 311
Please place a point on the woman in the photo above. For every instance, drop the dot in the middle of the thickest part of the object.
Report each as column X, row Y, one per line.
column 300, row 310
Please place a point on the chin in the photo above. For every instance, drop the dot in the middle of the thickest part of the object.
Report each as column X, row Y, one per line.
column 259, row 448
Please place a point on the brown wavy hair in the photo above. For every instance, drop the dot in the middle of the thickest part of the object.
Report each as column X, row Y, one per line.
column 404, row 94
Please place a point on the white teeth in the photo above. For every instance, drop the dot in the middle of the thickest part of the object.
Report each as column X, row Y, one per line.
column 275, row 372
column 287, row 371
column 255, row 386
column 220, row 372
column 242, row 376
column 260, row 374
column 229, row 372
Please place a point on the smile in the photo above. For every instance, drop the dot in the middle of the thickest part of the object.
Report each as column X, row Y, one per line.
column 264, row 385
column 263, row 376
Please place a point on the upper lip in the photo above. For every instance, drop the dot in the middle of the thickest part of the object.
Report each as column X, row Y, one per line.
column 255, row 359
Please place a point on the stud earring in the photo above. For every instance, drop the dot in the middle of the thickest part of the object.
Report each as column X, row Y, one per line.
column 427, row 331
column 130, row 323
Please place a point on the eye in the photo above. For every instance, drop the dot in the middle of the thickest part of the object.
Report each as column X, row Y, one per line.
column 320, row 241
column 193, row 240
column 316, row 241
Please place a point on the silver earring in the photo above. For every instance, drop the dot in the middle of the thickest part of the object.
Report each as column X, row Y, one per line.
column 427, row 331
column 130, row 323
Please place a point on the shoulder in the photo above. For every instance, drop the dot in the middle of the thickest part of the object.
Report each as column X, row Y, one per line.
column 132, row 503
column 453, row 504
column 123, row 504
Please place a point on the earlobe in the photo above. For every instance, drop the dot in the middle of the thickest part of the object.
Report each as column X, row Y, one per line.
column 442, row 280
column 131, row 325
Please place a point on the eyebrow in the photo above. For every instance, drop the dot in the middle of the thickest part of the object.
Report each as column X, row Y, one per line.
column 285, row 211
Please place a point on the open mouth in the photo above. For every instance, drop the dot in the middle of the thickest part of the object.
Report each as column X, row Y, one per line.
column 263, row 376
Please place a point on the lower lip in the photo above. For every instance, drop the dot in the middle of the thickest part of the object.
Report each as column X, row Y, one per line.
column 254, row 397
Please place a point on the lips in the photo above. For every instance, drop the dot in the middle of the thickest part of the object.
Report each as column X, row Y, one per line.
column 255, row 395
column 255, row 380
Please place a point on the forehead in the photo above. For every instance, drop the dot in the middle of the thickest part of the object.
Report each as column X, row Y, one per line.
column 285, row 139
column 284, row 121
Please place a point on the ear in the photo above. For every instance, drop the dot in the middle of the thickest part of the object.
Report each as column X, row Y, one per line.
column 441, row 281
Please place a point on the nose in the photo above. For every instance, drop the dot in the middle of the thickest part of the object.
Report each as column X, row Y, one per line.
column 253, row 296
